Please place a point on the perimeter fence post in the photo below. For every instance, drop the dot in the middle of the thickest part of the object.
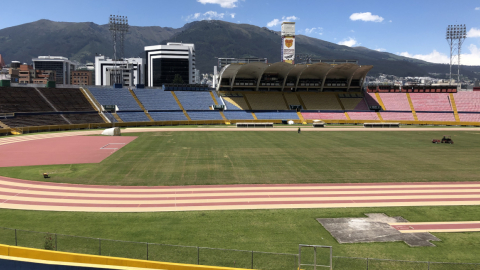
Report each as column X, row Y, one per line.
column 252, row 259
column 147, row 251
column 99, row 246
column 55, row 242
column 16, row 237
column 198, row 255
column 367, row 263
column 428, row 265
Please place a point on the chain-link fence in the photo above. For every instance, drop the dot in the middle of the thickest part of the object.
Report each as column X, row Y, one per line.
column 204, row 255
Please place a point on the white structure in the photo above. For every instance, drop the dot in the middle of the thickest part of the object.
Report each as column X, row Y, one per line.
column 288, row 42
column 61, row 65
column 164, row 62
column 131, row 70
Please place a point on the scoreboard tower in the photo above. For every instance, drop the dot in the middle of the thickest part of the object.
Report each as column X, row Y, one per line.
column 288, row 42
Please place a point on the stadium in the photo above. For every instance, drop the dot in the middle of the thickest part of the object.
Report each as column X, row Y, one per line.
column 187, row 186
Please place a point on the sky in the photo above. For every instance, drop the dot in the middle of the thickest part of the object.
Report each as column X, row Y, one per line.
column 412, row 28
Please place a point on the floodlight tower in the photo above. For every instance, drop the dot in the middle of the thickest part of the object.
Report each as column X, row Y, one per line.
column 118, row 26
column 123, row 31
column 456, row 35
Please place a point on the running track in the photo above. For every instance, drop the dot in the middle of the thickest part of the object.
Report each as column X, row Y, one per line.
column 32, row 195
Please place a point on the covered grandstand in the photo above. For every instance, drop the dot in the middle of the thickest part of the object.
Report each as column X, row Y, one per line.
column 318, row 77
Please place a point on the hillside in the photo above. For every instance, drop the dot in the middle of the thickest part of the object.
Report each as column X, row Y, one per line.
column 80, row 41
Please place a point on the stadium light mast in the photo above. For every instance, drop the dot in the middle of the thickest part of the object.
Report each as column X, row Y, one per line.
column 118, row 26
column 456, row 35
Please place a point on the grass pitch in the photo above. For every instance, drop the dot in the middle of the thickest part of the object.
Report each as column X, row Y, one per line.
column 259, row 157
column 259, row 230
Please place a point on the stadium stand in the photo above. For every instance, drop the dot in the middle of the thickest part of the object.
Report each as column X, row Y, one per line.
column 292, row 99
column 320, row 101
column 467, row 101
column 22, row 99
column 82, row 118
column 110, row 117
column 156, row 99
column 238, row 115
column 35, row 120
column 67, row 100
column 194, row 100
column 168, row 116
column 371, row 99
column 469, row 117
column 395, row 101
column 235, row 103
column 204, row 115
column 422, row 116
column 133, row 116
column 217, row 98
column 266, row 101
column 324, row 115
column 438, row 102
column 357, row 104
column 397, row 116
column 280, row 115
column 363, row 115
column 120, row 97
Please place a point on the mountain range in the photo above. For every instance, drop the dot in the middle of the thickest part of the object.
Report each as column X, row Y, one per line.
column 212, row 39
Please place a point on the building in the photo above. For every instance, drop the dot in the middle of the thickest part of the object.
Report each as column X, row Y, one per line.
column 81, row 77
column 288, row 42
column 2, row 63
column 165, row 62
column 26, row 74
column 61, row 65
column 223, row 62
column 129, row 71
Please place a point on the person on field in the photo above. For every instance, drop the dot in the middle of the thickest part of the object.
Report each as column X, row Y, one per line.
column 299, row 130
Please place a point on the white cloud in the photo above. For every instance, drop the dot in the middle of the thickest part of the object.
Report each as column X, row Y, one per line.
column 232, row 15
column 477, row 8
column 313, row 30
column 276, row 22
column 471, row 58
column 473, row 32
column 366, row 17
column 310, row 30
column 380, row 50
column 433, row 57
column 209, row 15
column 222, row 3
column 350, row 42
column 290, row 18
column 390, row 21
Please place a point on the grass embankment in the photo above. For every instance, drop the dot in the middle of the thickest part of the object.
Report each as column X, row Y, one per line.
column 198, row 158
column 259, row 230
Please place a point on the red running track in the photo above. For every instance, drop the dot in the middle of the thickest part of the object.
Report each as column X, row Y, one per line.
column 32, row 195
column 63, row 150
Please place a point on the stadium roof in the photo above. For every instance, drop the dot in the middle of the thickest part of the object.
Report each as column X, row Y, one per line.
column 235, row 76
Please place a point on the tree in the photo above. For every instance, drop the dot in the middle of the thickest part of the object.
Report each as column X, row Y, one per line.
column 178, row 79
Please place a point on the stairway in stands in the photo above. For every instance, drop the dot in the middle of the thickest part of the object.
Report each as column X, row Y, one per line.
column 221, row 113
column 454, row 107
column 140, row 104
column 180, row 105
column 2, row 125
column 95, row 104
column 415, row 117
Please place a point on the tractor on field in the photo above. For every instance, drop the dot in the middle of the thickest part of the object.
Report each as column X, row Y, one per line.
column 445, row 139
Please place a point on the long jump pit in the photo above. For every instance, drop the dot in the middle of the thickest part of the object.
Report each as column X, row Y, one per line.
column 61, row 150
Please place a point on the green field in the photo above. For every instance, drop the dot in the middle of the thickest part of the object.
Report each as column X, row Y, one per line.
column 198, row 158
column 259, row 230
column 212, row 157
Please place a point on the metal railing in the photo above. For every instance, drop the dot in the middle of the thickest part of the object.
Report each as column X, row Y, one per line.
column 247, row 259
